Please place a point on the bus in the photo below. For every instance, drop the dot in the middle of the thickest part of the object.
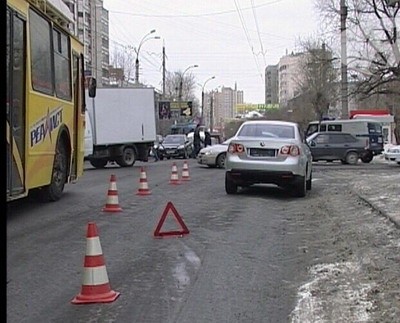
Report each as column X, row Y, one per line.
column 45, row 100
column 364, row 129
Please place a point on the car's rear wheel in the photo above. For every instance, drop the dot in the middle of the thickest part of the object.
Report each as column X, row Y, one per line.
column 367, row 157
column 300, row 187
column 230, row 186
column 309, row 182
column 221, row 160
column 352, row 158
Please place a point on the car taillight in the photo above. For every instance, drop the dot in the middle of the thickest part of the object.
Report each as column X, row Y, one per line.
column 367, row 144
column 291, row 150
column 236, row 148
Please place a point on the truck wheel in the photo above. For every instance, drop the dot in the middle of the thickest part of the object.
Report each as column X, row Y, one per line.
column 352, row 158
column 98, row 163
column 54, row 190
column 128, row 157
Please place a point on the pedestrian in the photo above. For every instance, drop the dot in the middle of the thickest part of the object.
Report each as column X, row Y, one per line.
column 196, row 141
column 207, row 139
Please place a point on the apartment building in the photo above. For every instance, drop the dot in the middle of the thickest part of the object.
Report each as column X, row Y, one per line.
column 289, row 71
column 91, row 26
column 271, row 84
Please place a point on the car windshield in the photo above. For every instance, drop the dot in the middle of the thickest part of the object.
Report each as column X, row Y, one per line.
column 174, row 140
column 267, row 131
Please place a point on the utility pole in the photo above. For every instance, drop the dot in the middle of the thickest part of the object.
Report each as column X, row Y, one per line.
column 163, row 71
column 212, row 111
column 343, row 46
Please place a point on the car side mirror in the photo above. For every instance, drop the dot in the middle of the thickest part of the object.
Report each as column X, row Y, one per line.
column 312, row 143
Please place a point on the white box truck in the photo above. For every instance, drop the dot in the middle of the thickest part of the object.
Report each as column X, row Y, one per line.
column 122, row 122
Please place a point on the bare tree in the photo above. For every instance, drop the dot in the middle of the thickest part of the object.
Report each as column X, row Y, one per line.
column 374, row 51
column 124, row 57
column 318, row 81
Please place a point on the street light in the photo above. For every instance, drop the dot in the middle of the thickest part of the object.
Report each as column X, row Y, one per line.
column 144, row 39
column 202, row 98
column 181, row 83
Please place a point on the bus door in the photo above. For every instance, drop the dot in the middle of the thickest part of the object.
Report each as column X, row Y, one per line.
column 15, row 104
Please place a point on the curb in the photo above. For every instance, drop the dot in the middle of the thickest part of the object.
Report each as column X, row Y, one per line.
column 377, row 209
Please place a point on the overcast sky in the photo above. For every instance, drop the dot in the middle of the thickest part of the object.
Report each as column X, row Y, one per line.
column 233, row 40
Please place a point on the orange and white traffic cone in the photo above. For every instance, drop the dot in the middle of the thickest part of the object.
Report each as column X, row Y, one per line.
column 143, row 186
column 112, row 204
column 95, row 285
column 185, row 172
column 174, row 175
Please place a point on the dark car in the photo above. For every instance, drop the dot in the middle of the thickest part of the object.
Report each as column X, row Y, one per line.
column 175, row 146
column 331, row 146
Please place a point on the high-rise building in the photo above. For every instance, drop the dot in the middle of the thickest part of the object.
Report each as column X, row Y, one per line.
column 289, row 68
column 91, row 26
column 271, row 84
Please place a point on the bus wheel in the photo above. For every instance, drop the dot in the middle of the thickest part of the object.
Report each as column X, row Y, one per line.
column 367, row 158
column 54, row 190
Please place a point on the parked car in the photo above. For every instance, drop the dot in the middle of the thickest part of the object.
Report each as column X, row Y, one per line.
column 393, row 154
column 268, row 152
column 361, row 128
column 175, row 146
column 331, row 146
column 214, row 155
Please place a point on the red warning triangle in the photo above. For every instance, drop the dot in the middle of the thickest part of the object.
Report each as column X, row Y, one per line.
column 170, row 207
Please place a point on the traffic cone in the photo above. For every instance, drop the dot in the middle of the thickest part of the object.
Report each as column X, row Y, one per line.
column 185, row 172
column 95, row 285
column 143, row 186
column 112, row 204
column 174, row 175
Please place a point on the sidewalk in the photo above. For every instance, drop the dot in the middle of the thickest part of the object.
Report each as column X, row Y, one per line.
column 384, row 195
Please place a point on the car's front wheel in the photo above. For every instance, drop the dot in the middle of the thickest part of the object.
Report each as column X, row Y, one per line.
column 230, row 186
column 221, row 161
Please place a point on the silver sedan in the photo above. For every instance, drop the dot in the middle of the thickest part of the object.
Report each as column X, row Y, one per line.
column 213, row 156
column 268, row 152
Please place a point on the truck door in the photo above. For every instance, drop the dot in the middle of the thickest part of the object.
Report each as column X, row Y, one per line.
column 15, row 106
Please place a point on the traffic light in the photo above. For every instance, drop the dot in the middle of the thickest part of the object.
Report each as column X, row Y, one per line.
column 187, row 111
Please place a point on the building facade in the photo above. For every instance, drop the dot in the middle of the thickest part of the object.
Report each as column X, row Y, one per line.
column 91, row 26
column 271, row 84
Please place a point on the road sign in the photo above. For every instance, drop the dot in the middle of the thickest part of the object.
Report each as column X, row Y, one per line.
column 186, row 109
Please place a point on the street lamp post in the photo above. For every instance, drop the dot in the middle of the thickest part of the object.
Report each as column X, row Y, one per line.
column 144, row 39
column 181, row 83
column 202, row 98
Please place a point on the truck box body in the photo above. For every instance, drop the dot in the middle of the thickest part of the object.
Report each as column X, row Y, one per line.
column 123, row 122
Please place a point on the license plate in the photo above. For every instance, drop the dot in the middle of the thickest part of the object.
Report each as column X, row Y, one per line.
column 259, row 152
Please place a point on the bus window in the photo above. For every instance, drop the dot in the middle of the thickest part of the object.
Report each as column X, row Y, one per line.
column 62, row 65
column 41, row 56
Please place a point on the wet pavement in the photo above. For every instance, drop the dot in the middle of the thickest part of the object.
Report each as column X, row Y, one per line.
column 381, row 192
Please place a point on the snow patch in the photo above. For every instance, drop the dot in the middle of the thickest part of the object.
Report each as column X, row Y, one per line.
column 333, row 296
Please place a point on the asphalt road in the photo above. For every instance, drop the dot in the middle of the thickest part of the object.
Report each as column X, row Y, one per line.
column 258, row 256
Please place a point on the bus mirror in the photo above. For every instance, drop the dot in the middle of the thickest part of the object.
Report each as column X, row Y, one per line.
column 92, row 87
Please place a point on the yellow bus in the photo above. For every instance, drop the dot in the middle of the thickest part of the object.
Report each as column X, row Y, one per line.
column 45, row 100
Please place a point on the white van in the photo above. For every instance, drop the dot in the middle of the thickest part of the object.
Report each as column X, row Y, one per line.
column 88, row 136
column 363, row 129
